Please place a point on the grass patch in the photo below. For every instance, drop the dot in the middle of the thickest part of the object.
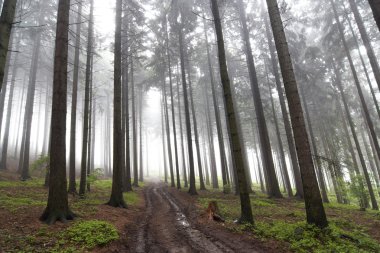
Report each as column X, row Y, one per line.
column 89, row 234
column 12, row 203
column 35, row 182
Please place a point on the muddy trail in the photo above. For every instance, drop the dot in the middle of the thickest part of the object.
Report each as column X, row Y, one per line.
column 167, row 226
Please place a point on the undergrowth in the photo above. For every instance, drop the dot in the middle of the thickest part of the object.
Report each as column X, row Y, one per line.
column 304, row 238
column 89, row 234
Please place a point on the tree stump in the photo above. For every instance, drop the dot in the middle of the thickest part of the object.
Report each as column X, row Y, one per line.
column 213, row 212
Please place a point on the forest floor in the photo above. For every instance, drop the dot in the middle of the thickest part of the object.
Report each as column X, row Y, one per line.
column 164, row 219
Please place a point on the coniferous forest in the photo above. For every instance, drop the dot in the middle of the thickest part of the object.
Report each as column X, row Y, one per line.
column 190, row 126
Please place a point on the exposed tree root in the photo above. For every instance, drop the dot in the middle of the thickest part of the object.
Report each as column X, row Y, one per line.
column 50, row 217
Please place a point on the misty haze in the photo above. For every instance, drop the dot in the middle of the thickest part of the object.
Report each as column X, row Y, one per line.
column 190, row 126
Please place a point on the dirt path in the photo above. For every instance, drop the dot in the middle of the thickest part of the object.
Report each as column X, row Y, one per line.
column 165, row 228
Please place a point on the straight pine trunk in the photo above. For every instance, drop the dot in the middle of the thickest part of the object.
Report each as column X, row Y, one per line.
column 87, row 109
column 267, row 158
column 245, row 201
column 6, row 24
column 313, row 202
column 57, row 204
column 366, row 41
column 117, row 199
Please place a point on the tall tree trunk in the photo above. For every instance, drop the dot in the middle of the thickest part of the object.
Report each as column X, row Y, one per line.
column 236, row 147
column 127, row 180
column 29, row 106
column 73, row 126
column 19, row 130
column 134, row 126
column 259, row 168
column 319, row 168
column 47, row 120
column 267, row 158
column 210, row 140
column 3, row 163
column 141, row 165
column 172, row 183
column 6, row 24
column 361, row 95
column 364, row 67
column 356, row 139
column 284, row 111
column 5, row 81
column 4, row 156
column 117, row 199
column 192, row 188
column 314, row 207
column 163, row 139
column 184, row 171
column 172, row 108
column 363, row 199
column 223, row 159
column 87, row 109
column 283, row 166
column 201, row 179
column 57, row 204
column 244, row 151
column 366, row 41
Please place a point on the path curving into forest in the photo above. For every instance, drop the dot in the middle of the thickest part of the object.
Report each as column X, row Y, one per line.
column 166, row 228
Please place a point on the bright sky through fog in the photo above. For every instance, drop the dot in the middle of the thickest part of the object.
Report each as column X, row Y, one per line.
column 105, row 17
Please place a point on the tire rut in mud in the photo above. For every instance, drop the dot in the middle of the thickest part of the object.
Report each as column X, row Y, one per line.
column 165, row 227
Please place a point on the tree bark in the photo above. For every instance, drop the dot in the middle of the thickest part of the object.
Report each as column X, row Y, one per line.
column 236, row 147
column 267, row 158
column 223, row 159
column 73, row 123
column 184, row 171
column 314, row 207
column 141, row 165
column 117, row 199
column 87, row 109
column 284, row 111
column 364, row 68
column 363, row 103
column 134, row 128
column 57, row 205
column 283, row 166
column 172, row 108
column 192, row 188
column 201, row 180
column 4, row 156
column 29, row 106
column 366, row 41
column 6, row 24
column 319, row 168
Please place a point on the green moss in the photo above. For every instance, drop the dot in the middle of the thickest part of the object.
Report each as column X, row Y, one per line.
column 307, row 238
column 89, row 234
